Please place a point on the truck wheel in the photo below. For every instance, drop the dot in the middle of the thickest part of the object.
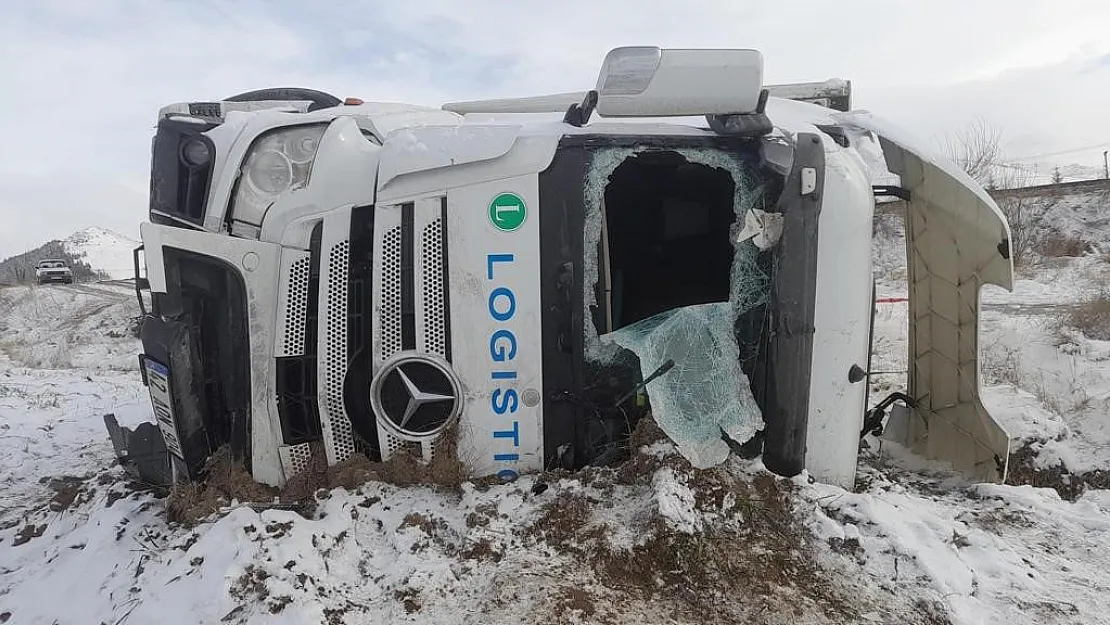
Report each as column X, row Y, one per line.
column 319, row 99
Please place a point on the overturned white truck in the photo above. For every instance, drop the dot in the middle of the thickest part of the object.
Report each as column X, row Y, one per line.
column 342, row 277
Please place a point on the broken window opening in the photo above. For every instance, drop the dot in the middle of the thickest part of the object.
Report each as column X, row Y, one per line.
column 669, row 281
column 665, row 237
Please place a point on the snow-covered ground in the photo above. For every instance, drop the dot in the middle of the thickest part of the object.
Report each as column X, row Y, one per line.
column 83, row 326
column 652, row 542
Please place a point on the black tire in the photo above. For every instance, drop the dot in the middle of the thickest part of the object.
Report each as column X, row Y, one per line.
column 319, row 99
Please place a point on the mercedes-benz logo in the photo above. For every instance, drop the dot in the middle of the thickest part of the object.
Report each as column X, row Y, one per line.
column 416, row 396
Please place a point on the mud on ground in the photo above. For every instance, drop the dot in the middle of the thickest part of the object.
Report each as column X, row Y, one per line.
column 1023, row 470
column 758, row 567
column 227, row 480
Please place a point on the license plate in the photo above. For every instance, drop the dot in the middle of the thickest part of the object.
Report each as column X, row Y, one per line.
column 158, row 381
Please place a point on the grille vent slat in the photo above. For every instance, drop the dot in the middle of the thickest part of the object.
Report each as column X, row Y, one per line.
column 391, row 339
column 297, row 308
column 433, row 296
column 339, row 431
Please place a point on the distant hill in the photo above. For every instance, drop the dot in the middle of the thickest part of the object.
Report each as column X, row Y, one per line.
column 103, row 250
column 1045, row 173
column 92, row 253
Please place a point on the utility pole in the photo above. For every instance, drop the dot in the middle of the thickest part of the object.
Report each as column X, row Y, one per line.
column 1106, row 163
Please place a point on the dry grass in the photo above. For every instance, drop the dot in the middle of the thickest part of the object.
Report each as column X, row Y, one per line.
column 227, row 480
column 1001, row 364
column 1062, row 394
column 1057, row 245
column 404, row 469
column 1092, row 317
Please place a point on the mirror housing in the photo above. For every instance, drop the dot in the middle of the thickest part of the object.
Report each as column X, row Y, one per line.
column 647, row 81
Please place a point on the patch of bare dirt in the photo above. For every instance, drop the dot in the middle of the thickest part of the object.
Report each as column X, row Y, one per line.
column 763, row 565
column 575, row 602
column 67, row 489
column 482, row 550
column 226, row 480
column 28, row 533
column 646, row 432
column 251, row 585
column 427, row 524
column 409, row 598
column 1023, row 471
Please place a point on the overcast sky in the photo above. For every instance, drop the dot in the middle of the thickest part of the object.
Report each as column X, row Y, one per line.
column 81, row 80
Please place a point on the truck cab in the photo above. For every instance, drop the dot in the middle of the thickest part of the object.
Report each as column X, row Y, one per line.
column 531, row 277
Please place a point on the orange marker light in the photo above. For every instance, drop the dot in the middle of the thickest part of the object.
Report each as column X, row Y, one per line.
column 353, row 101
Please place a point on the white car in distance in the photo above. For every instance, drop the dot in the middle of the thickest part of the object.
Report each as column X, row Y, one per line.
column 53, row 270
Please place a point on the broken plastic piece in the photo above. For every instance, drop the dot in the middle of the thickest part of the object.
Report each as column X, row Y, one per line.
column 763, row 228
column 141, row 452
column 706, row 394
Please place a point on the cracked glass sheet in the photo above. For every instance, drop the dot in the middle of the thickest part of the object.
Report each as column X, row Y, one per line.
column 706, row 393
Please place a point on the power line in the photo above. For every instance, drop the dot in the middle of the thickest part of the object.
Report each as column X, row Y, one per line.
column 1096, row 146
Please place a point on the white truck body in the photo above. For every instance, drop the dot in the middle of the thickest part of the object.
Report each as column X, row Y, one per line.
column 364, row 278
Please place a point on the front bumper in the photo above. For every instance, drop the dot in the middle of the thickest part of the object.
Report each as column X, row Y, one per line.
column 55, row 277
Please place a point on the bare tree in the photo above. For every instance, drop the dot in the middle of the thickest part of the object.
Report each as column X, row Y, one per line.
column 977, row 150
column 1019, row 212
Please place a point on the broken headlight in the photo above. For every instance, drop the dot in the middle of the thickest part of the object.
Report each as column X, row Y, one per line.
column 278, row 162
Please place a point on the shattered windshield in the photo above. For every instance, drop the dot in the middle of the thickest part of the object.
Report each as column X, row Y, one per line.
column 700, row 277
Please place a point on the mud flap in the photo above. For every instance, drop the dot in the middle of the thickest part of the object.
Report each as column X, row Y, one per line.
column 957, row 240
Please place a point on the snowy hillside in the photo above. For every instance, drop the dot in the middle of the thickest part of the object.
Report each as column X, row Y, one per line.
column 653, row 541
column 103, row 250
column 93, row 253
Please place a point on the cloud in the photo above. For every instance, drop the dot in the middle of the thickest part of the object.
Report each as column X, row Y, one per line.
column 39, row 208
column 84, row 80
column 1041, row 111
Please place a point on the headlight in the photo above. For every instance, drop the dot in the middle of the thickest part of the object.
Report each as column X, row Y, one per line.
column 196, row 153
column 270, row 172
column 278, row 162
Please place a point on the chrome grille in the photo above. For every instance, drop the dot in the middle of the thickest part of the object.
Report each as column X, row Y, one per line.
column 413, row 233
